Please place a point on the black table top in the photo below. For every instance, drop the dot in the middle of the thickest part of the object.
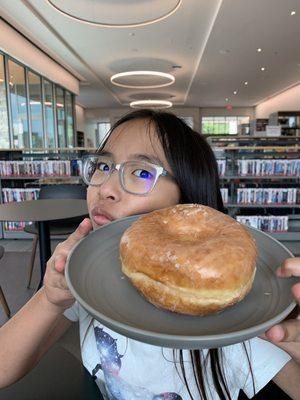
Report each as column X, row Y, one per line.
column 58, row 376
column 43, row 210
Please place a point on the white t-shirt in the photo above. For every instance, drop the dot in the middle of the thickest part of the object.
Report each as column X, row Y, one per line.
column 132, row 370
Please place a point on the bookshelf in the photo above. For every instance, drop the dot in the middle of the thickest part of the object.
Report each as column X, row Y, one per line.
column 260, row 179
column 23, row 171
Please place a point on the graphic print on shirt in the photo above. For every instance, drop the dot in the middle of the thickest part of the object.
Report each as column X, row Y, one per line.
column 111, row 364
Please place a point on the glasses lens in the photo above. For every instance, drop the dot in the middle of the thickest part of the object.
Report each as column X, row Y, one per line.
column 139, row 177
column 96, row 170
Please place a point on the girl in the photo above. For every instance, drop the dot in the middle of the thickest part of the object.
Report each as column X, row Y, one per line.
column 124, row 368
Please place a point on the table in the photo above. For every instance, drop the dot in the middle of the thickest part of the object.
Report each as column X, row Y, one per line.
column 43, row 211
column 58, row 376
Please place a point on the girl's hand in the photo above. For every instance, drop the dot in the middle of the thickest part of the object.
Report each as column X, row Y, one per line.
column 286, row 335
column 55, row 286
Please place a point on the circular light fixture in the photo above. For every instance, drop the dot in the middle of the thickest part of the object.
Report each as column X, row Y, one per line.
column 227, row 99
column 107, row 25
column 262, row 68
column 246, row 83
column 293, row 12
column 115, row 79
column 151, row 104
column 235, row 92
column 259, row 50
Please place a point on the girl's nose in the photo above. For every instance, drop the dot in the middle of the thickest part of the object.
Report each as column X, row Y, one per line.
column 111, row 189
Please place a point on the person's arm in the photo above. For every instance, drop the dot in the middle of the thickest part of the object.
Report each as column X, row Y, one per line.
column 286, row 335
column 36, row 327
column 27, row 336
column 288, row 379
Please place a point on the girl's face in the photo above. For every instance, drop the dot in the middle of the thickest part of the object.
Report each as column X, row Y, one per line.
column 109, row 201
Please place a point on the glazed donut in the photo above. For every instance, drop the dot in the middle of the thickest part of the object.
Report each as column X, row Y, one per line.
column 190, row 259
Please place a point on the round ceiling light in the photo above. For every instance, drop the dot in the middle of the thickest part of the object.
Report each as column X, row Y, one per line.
column 151, row 104
column 66, row 8
column 142, row 79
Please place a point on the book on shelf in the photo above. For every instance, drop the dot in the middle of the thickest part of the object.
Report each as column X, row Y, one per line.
column 265, row 167
column 274, row 224
column 221, row 166
column 262, row 196
column 224, row 193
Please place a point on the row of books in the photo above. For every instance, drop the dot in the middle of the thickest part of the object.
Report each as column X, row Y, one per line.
column 74, row 167
column 14, row 194
column 267, row 196
column 35, row 168
column 15, row 226
column 277, row 167
column 265, row 223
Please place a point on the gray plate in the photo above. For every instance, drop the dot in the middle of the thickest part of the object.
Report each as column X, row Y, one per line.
column 94, row 276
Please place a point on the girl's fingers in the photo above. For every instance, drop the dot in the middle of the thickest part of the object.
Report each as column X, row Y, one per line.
column 83, row 230
column 288, row 331
column 296, row 292
column 59, row 263
column 290, row 267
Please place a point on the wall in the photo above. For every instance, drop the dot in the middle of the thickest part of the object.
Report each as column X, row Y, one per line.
column 15, row 45
column 94, row 115
column 288, row 100
column 222, row 111
column 80, row 118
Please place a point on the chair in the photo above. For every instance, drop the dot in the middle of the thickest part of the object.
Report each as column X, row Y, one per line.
column 2, row 297
column 59, row 227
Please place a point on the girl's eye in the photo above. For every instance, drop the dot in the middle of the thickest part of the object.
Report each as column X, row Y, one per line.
column 142, row 173
column 103, row 166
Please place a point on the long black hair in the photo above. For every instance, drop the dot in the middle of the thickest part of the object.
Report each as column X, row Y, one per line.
column 195, row 169
column 190, row 157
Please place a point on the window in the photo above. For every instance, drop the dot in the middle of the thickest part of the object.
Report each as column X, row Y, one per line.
column 35, row 107
column 69, row 120
column 4, row 132
column 49, row 114
column 60, row 116
column 34, row 112
column 19, row 106
column 223, row 125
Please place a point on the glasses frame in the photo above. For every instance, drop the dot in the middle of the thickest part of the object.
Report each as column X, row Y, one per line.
column 160, row 171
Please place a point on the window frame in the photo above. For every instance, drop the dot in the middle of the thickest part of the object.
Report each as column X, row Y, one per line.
column 27, row 69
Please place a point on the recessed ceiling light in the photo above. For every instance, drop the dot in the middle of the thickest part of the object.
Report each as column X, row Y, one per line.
column 235, row 92
column 262, row 68
column 259, row 50
column 169, row 79
column 293, row 12
column 246, row 83
column 227, row 99
column 151, row 104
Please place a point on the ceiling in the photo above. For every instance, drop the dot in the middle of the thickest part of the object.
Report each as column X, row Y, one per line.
column 209, row 46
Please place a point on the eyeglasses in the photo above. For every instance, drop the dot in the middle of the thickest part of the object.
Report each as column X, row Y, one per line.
column 136, row 177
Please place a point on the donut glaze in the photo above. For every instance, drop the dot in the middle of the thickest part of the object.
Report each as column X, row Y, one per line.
column 189, row 259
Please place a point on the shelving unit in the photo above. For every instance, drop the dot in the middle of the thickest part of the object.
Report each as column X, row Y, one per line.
column 232, row 149
column 34, row 181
